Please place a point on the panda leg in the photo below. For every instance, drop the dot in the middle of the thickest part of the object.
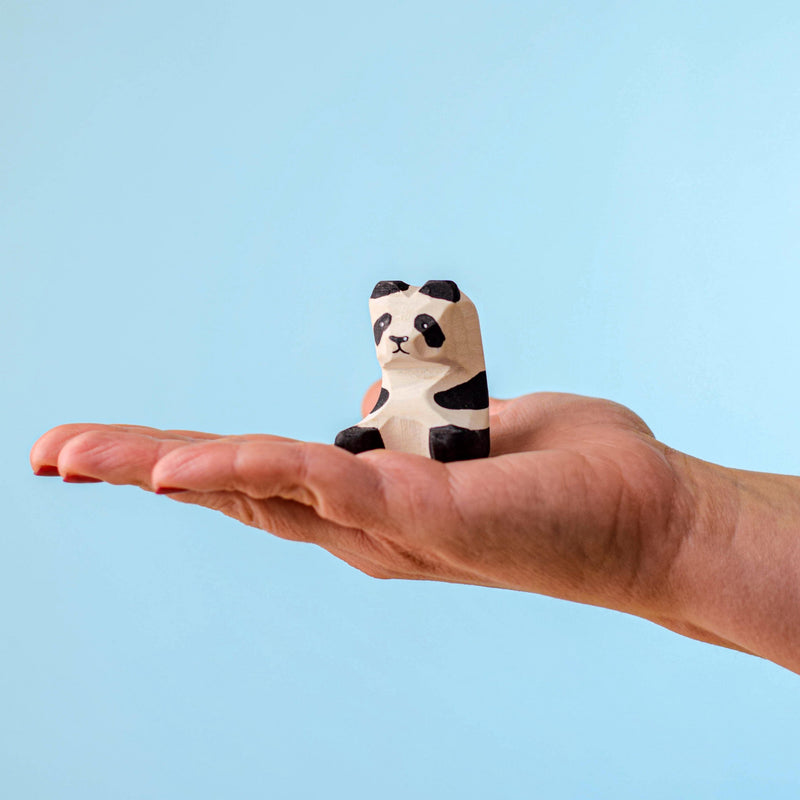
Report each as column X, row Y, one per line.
column 453, row 443
column 359, row 440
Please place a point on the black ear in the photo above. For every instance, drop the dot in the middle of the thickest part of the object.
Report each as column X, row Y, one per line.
column 382, row 288
column 442, row 290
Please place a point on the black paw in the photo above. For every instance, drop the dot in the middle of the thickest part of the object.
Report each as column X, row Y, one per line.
column 452, row 443
column 359, row 440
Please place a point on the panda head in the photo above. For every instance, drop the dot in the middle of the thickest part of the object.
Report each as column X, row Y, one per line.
column 434, row 323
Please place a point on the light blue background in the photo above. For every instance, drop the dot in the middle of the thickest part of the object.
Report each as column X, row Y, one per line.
column 196, row 201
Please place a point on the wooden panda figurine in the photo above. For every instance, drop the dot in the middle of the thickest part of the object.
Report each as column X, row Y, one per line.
column 434, row 399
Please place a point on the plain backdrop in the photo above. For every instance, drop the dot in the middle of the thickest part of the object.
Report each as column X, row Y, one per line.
column 195, row 202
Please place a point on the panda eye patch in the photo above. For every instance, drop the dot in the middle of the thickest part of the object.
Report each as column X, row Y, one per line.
column 429, row 328
column 381, row 324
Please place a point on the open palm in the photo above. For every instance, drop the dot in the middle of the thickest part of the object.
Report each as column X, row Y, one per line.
column 578, row 499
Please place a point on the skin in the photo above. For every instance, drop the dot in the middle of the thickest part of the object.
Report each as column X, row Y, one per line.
column 578, row 501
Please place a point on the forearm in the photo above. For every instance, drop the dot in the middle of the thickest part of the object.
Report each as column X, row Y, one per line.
column 737, row 574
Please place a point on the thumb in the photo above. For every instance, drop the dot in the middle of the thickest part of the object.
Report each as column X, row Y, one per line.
column 370, row 398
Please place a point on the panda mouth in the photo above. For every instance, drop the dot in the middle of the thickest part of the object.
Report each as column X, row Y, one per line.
column 400, row 349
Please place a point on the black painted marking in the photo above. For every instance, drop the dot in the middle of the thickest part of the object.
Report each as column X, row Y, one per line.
column 382, row 288
column 398, row 340
column 359, row 440
column 382, row 398
column 381, row 324
column 429, row 328
column 453, row 443
column 442, row 290
column 473, row 393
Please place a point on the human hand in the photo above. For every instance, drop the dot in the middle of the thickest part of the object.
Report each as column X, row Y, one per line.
column 578, row 501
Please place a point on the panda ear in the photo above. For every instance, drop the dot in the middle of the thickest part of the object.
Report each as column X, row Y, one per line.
column 382, row 288
column 442, row 290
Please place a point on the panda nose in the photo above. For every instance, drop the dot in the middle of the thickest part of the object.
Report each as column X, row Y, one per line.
column 399, row 339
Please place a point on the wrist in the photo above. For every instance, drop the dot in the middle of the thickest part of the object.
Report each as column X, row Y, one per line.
column 736, row 574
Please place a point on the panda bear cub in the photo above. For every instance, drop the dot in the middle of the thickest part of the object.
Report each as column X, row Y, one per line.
column 434, row 399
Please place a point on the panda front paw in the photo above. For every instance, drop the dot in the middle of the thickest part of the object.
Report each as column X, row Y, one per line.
column 359, row 440
column 454, row 443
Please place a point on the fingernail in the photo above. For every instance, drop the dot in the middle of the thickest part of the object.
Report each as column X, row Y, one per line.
column 80, row 479
column 169, row 490
column 46, row 471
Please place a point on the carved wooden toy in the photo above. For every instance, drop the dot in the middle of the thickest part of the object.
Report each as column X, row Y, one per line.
column 434, row 399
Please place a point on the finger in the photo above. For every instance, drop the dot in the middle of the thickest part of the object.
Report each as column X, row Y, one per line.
column 338, row 485
column 114, row 456
column 296, row 522
column 286, row 519
column 125, row 456
column 370, row 398
column 44, row 453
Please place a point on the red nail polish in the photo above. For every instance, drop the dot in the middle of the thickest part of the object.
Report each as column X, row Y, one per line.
column 46, row 471
column 169, row 490
column 80, row 479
